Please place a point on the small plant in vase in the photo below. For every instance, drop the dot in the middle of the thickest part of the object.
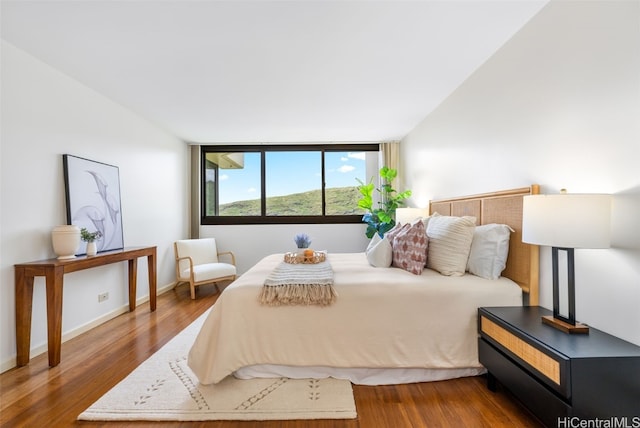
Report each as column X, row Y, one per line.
column 90, row 239
column 302, row 240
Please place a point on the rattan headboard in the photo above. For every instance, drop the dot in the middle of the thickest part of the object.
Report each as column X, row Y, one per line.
column 503, row 207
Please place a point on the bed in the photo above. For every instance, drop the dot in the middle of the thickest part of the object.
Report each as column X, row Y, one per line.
column 387, row 326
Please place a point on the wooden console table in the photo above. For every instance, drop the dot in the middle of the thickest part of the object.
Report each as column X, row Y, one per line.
column 53, row 270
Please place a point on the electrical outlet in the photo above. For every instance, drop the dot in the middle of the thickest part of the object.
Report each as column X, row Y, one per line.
column 102, row 297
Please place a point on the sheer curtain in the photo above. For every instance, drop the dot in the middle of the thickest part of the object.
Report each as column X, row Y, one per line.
column 390, row 157
column 390, row 154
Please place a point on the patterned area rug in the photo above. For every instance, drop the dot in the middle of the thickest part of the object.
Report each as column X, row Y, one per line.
column 163, row 388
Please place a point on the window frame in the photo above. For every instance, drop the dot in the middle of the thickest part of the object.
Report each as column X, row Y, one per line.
column 275, row 219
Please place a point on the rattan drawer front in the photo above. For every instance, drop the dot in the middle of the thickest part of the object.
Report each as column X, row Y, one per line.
column 526, row 352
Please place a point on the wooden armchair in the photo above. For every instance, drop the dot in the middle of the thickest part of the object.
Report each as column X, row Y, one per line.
column 197, row 263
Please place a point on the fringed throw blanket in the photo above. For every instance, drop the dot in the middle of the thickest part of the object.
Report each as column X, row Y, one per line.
column 299, row 284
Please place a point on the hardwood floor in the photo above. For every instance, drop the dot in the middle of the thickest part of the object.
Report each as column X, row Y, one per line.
column 92, row 363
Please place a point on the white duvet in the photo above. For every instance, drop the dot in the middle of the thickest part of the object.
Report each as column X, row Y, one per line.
column 383, row 318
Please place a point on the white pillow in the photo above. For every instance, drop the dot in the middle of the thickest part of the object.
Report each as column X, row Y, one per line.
column 489, row 250
column 449, row 243
column 379, row 252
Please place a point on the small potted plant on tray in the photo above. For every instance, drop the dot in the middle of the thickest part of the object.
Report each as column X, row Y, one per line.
column 302, row 241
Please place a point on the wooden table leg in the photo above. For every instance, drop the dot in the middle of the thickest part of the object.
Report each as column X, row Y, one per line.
column 151, row 263
column 133, row 278
column 54, row 281
column 24, row 304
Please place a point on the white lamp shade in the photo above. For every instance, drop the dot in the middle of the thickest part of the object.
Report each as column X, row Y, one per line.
column 567, row 220
column 407, row 215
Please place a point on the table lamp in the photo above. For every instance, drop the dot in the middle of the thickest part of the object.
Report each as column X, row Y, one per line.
column 565, row 222
column 407, row 215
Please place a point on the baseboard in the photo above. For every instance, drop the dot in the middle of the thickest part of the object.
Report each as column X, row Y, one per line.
column 11, row 363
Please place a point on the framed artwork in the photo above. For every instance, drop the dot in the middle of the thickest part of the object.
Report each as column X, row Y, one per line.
column 93, row 200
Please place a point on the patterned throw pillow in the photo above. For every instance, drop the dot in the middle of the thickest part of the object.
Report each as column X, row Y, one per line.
column 395, row 230
column 410, row 248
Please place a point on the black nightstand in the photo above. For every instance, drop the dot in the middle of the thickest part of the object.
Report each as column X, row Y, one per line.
column 559, row 375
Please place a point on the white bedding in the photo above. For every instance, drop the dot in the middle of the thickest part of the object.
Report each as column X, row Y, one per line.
column 382, row 319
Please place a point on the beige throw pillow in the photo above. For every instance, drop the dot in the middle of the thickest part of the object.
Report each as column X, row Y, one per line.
column 449, row 243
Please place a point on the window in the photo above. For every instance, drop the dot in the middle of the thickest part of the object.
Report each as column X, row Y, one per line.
column 232, row 184
column 292, row 182
column 285, row 184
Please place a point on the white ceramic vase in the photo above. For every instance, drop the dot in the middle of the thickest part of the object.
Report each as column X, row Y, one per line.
column 92, row 249
column 66, row 240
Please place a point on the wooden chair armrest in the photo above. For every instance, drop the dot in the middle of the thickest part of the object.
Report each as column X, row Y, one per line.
column 230, row 253
column 178, row 273
column 178, row 259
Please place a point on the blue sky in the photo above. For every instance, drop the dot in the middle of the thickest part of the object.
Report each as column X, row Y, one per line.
column 290, row 172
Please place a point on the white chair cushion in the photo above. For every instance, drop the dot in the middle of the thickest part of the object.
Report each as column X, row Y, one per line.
column 210, row 271
column 201, row 251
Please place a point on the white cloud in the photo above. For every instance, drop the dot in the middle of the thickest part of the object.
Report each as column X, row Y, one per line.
column 346, row 168
column 224, row 177
column 251, row 190
column 344, row 159
column 357, row 155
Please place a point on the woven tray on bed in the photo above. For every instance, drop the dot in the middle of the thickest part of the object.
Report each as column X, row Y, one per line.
column 301, row 258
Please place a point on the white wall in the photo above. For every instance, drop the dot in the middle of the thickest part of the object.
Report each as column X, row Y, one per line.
column 558, row 105
column 44, row 115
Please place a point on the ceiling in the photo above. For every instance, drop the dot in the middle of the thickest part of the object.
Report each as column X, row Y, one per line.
column 269, row 71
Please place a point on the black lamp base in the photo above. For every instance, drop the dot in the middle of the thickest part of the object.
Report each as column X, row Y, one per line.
column 564, row 326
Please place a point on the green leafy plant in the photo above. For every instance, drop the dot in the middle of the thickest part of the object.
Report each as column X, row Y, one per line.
column 381, row 218
column 87, row 236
